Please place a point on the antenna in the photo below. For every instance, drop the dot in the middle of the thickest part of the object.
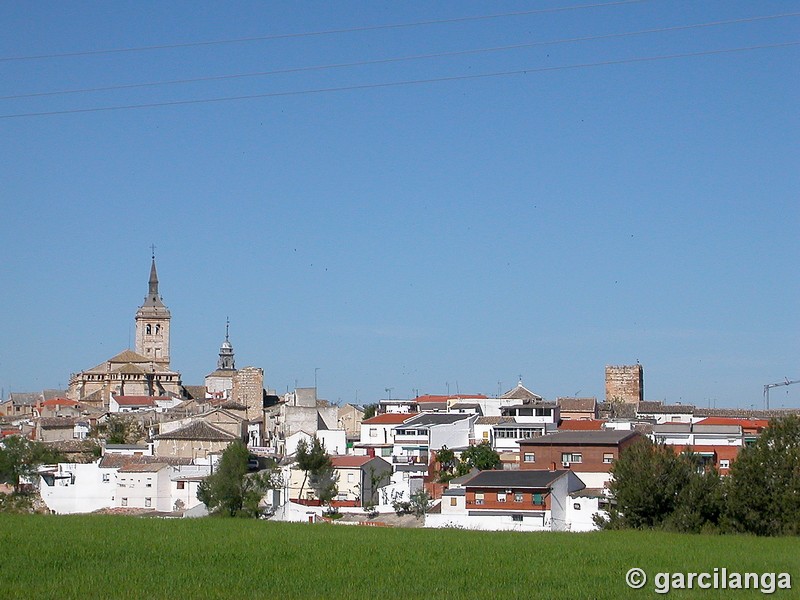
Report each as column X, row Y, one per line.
column 772, row 385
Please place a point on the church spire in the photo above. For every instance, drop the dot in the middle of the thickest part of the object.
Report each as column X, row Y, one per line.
column 153, row 283
column 226, row 361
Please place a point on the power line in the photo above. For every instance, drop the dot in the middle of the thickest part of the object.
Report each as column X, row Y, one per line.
column 403, row 83
column 283, row 36
column 400, row 59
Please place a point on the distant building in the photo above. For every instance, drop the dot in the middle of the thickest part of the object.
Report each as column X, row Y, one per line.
column 624, row 383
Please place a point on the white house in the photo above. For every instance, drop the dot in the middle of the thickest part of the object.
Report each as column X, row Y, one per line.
column 334, row 440
column 524, row 500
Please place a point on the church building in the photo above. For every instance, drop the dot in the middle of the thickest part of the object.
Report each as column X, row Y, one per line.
column 143, row 372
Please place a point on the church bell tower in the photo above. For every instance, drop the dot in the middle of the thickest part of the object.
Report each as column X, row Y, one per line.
column 152, row 323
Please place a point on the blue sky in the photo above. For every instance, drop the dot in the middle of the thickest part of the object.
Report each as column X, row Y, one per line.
column 449, row 235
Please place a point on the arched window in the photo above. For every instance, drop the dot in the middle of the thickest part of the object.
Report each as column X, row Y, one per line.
column 148, row 329
column 158, row 329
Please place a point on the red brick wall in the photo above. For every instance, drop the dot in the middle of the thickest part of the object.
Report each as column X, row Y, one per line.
column 490, row 500
column 549, row 457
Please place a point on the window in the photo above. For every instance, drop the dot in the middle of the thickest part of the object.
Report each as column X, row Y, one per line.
column 486, row 435
column 537, row 499
column 124, row 502
column 158, row 329
column 106, row 477
column 453, row 501
column 518, row 497
column 351, row 477
column 386, row 451
column 724, row 463
column 576, row 505
column 181, row 485
column 148, row 329
column 501, row 497
column 373, row 432
column 478, row 497
column 529, row 457
column 571, row 457
column 608, row 457
column 148, row 502
column 516, row 518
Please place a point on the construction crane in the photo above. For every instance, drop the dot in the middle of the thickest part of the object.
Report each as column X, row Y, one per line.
column 772, row 385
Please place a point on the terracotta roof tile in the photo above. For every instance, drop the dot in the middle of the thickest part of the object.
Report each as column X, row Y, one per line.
column 389, row 419
column 198, row 430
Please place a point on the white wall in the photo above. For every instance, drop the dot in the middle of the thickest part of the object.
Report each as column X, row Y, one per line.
column 86, row 494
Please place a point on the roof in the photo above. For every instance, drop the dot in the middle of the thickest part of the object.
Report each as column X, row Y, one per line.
column 522, row 478
column 606, row 437
column 578, row 404
column 198, row 430
column 60, row 402
column 581, row 425
column 427, row 419
column 743, row 423
column 57, row 422
column 24, row 398
column 128, row 356
column 232, row 405
column 520, row 392
column 116, row 461
column 344, row 462
column 494, row 420
column 139, row 400
column 226, row 373
column 143, row 467
column 389, row 419
column 647, row 407
column 195, row 391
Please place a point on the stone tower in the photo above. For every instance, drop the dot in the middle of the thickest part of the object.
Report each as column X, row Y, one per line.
column 624, row 383
column 152, row 324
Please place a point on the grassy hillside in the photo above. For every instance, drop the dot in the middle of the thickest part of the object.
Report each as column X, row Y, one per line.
column 121, row 557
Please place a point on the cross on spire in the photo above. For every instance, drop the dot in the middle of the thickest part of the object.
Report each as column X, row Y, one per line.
column 153, row 251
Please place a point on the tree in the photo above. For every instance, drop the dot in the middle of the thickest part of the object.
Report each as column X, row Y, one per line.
column 764, row 483
column 480, row 457
column 370, row 410
column 420, row 503
column 119, row 430
column 230, row 490
column 317, row 469
column 20, row 458
column 447, row 464
column 655, row 488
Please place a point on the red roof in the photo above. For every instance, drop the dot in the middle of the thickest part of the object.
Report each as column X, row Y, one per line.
column 433, row 398
column 138, row 400
column 340, row 462
column 59, row 402
column 581, row 425
column 389, row 419
column 756, row 425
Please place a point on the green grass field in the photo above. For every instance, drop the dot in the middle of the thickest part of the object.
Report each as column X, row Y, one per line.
column 124, row 557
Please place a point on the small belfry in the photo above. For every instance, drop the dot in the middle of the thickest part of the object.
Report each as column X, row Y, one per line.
column 152, row 323
column 226, row 361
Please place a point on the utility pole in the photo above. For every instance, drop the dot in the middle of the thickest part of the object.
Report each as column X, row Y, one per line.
column 772, row 385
